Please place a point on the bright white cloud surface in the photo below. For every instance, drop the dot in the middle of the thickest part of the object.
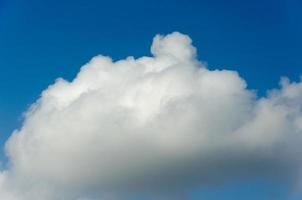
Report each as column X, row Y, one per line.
column 154, row 125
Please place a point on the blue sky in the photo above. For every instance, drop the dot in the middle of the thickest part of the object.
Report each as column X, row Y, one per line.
column 43, row 40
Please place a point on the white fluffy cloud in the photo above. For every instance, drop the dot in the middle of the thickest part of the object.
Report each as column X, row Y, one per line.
column 153, row 124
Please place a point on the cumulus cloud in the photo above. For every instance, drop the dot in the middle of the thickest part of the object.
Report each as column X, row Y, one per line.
column 151, row 125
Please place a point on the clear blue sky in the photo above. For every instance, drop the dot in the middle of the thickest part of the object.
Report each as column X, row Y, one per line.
column 43, row 40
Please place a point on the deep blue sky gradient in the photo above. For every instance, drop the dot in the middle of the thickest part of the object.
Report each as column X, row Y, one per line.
column 41, row 40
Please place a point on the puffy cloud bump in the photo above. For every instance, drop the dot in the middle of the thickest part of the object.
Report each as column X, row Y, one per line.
column 151, row 125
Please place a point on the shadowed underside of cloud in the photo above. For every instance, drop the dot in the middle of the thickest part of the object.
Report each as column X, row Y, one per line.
column 151, row 125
